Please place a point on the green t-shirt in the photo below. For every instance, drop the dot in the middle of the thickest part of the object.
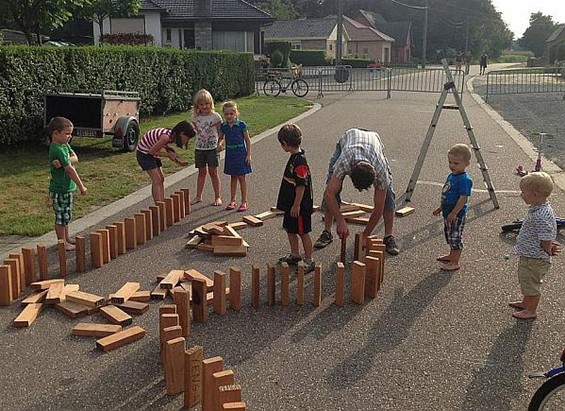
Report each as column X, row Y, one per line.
column 60, row 181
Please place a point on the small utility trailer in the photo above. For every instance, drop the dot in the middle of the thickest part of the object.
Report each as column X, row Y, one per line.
column 110, row 112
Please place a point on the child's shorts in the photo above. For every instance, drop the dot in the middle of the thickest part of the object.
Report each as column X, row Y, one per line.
column 454, row 232
column 531, row 272
column 63, row 207
column 203, row 158
column 147, row 161
column 300, row 225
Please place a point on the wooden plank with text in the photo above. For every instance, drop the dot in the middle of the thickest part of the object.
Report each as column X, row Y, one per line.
column 193, row 376
column 209, row 367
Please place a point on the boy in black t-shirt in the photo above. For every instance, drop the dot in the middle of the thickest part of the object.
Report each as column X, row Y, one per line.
column 296, row 198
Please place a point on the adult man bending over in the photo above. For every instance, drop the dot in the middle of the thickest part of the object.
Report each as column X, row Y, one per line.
column 359, row 154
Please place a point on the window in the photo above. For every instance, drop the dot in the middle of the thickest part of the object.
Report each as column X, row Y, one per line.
column 331, row 47
column 296, row 45
column 127, row 25
column 168, row 35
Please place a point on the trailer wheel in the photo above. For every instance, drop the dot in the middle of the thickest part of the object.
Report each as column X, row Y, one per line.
column 131, row 136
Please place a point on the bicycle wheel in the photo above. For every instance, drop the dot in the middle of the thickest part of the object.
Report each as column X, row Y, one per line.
column 272, row 88
column 299, row 87
column 511, row 227
column 549, row 396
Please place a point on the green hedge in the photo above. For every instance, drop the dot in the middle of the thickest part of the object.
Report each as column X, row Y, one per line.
column 165, row 78
column 356, row 63
column 309, row 57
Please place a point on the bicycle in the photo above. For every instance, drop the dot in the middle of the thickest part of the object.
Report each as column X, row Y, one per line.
column 274, row 87
column 517, row 224
column 547, row 396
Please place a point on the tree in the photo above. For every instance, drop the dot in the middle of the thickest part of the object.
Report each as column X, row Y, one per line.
column 281, row 10
column 99, row 10
column 39, row 16
column 537, row 33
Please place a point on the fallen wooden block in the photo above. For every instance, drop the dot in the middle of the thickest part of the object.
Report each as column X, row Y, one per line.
column 276, row 211
column 120, row 338
column 357, row 220
column 234, row 406
column 45, row 284
column 37, row 297
column 212, row 228
column 124, row 293
column 344, row 208
column 227, row 240
column 252, row 221
column 366, row 208
column 172, row 279
column 116, row 315
column 238, row 226
column 58, row 292
column 233, row 232
column 268, row 214
column 159, row 293
column 95, row 330
column 28, row 315
column 404, row 211
column 205, row 247
column 356, row 213
column 87, row 299
column 232, row 251
column 134, row 307
column 141, row 296
column 194, row 241
column 72, row 310
column 193, row 274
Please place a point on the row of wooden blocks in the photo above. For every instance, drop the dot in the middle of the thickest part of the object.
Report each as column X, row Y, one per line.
column 203, row 381
column 20, row 269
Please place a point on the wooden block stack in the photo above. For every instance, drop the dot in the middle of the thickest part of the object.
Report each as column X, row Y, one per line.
column 356, row 213
column 220, row 238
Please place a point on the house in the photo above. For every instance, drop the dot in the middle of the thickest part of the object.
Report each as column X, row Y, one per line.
column 557, row 37
column 321, row 34
column 400, row 31
column 196, row 24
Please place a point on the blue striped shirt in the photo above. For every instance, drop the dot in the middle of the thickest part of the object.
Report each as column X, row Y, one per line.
column 539, row 225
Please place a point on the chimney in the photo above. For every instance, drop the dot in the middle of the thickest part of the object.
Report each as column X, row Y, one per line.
column 202, row 8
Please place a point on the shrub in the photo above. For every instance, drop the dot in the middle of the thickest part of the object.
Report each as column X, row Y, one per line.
column 309, row 57
column 131, row 39
column 277, row 59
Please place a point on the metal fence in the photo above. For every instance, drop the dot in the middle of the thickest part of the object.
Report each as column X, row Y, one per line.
column 348, row 79
column 526, row 81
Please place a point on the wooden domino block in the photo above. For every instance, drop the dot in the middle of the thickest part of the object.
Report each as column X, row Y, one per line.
column 353, row 214
column 159, row 293
column 6, row 297
column 141, row 296
column 340, row 280
column 166, row 320
column 148, row 224
column 209, row 367
column 193, row 376
column 169, row 217
column 199, row 301
column 252, row 221
column 271, row 280
column 255, row 287
column 113, row 240
column 134, row 307
column 140, row 234
column 28, row 315
column 45, row 284
column 121, row 227
column 125, row 292
column 42, row 257
column 300, row 284
column 116, row 315
column 62, row 258
column 95, row 330
column 285, row 284
column 131, row 233
column 358, row 282
column 172, row 279
column 176, row 207
column 58, row 292
column 227, row 240
column 163, row 215
column 182, row 203
column 235, row 289
column 87, row 299
column 267, row 214
column 228, row 394
column 174, row 365
column 80, row 253
column 230, row 251
column 219, row 379
column 15, row 273
column 381, row 256
column 193, row 274
column 234, row 406
column 317, row 299
column 404, row 211
column 36, row 297
column 30, row 265
column 181, row 298
column 96, row 250
column 120, row 338
column 71, row 309
column 357, row 220
column 21, row 266
column 366, row 208
column 186, row 197
column 358, row 247
column 219, row 292
column 155, row 220
column 105, row 238
column 373, row 267
column 238, row 226
column 343, row 253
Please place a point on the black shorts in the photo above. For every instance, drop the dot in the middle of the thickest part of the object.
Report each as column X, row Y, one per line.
column 300, row 225
column 203, row 158
column 147, row 161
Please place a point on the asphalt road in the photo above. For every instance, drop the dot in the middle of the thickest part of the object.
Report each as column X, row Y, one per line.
column 431, row 340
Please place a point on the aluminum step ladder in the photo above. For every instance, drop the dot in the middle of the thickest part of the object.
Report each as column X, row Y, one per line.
column 447, row 88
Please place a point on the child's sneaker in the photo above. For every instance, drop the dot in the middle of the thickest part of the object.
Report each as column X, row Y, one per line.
column 290, row 259
column 309, row 266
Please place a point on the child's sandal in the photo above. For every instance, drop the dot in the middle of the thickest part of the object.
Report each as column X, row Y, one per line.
column 242, row 207
column 231, row 206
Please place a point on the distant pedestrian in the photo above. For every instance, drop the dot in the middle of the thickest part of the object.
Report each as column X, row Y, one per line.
column 454, row 203
column 64, row 177
column 296, row 198
column 459, row 61
column 483, row 61
column 238, row 153
column 206, row 122
column 468, row 58
column 155, row 144
column 535, row 242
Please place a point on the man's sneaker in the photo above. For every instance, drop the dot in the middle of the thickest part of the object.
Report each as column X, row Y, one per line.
column 309, row 266
column 325, row 239
column 290, row 259
column 391, row 246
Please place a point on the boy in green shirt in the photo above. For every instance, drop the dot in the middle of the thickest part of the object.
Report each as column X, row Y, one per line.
column 64, row 177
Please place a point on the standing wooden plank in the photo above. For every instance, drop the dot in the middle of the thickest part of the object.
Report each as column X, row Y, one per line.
column 255, row 287
column 113, row 240
column 271, row 280
column 20, row 258
column 343, row 253
column 235, row 289
column 372, row 276
column 6, row 285
column 193, row 376
column 174, row 365
column 80, row 253
column 229, row 393
column 131, row 232
column 186, row 195
column 125, row 292
column 358, row 282
column 340, row 280
column 209, row 367
column 15, row 273
column 181, row 298
column 163, row 215
column 120, row 338
column 358, row 248
column 317, row 299
column 95, row 330
column 121, row 226
column 380, row 254
column 165, row 321
column 176, row 207
column 182, row 204
column 199, row 301
column 285, row 284
column 96, row 259
column 140, row 233
column 169, row 216
column 62, row 258
column 300, row 283
column 148, row 224
column 219, row 292
column 155, row 220
column 116, row 315
column 42, row 256
column 28, row 315
column 29, row 265
column 219, row 379
column 105, row 237
column 234, row 406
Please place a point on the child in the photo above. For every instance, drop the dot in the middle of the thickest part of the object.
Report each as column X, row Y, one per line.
column 454, row 197
column 534, row 243
column 206, row 122
column 64, row 177
column 155, row 144
column 238, row 153
column 296, row 197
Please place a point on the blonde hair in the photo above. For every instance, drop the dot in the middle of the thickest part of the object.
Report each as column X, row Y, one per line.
column 538, row 182
column 461, row 151
column 230, row 104
column 202, row 96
